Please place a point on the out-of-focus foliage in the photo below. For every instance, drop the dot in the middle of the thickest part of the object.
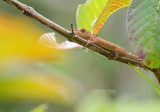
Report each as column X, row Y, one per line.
column 20, row 51
column 37, row 86
column 95, row 103
column 89, row 69
column 18, row 40
column 49, row 40
column 144, row 33
column 40, row 108
column 101, row 103
column 94, row 13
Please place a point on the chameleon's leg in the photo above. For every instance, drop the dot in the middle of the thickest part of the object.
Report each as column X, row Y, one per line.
column 89, row 42
column 92, row 40
column 116, row 54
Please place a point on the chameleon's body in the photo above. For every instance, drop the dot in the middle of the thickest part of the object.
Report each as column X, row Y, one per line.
column 103, row 43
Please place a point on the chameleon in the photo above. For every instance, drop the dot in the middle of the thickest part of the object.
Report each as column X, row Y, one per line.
column 92, row 39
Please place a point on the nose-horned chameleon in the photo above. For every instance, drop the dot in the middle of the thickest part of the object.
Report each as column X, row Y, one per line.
column 103, row 43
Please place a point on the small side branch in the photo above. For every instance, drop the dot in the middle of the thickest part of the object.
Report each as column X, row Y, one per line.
column 30, row 12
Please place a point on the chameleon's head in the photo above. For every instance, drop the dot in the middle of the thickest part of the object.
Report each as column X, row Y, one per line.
column 83, row 30
column 82, row 33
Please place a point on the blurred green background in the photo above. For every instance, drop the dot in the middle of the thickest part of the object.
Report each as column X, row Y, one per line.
column 78, row 80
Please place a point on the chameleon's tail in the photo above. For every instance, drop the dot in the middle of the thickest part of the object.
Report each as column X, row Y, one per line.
column 133, row 56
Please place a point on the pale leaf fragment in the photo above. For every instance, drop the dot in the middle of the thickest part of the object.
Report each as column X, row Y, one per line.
column 49, row 40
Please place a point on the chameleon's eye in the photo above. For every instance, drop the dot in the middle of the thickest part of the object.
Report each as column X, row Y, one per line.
column 83, row 30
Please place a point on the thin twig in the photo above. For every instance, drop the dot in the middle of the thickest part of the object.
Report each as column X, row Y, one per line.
column 30, row 12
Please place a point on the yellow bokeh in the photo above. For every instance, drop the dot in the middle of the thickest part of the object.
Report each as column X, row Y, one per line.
column 22, row 81
column 18, row 39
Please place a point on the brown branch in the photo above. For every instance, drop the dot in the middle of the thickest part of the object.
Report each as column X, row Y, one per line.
column 30, row 12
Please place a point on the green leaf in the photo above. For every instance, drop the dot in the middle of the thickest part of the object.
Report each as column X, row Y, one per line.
column 111, row 7
column 143, row 26
column 156, row 88
column 88, row 12
column 95, row 13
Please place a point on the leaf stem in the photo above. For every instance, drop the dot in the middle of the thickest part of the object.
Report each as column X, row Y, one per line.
column 156, row 88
